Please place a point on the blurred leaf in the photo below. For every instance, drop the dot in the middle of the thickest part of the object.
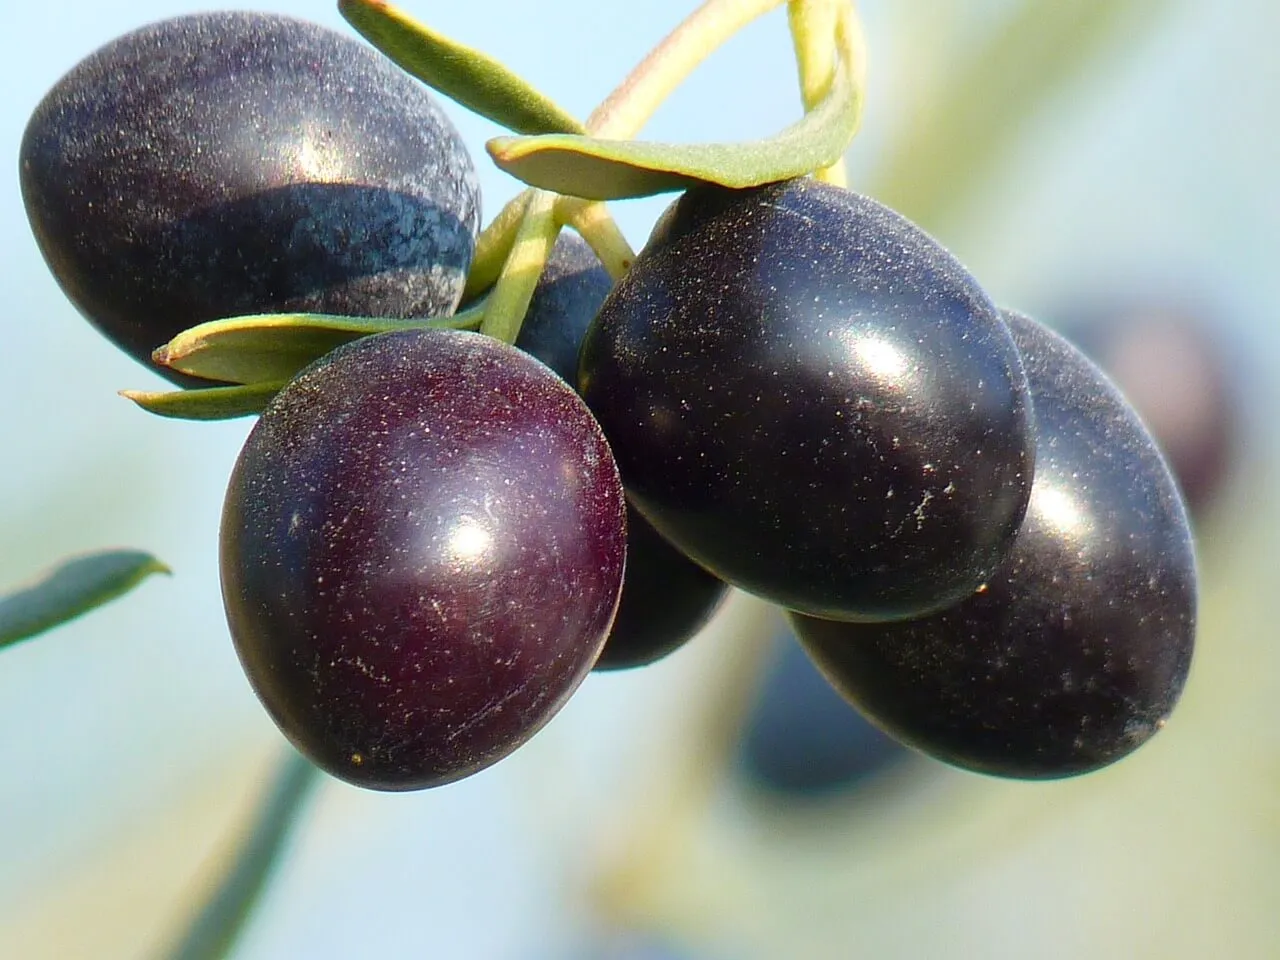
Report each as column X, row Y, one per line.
column 208, row 403
column 948, row 149
column 473, row 79
column 72, row 588
column 215, row 930
column 269, row 348
column 618, row 169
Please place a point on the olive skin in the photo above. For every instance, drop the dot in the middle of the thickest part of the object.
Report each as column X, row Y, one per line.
column 422, row 548
column 1076, row 651
column 223, row 164
column 666, row 597
column 666, row 600
column 573, row 285
column 812, row 399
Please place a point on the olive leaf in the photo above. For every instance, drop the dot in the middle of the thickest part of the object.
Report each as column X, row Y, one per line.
column 207, row 403
column 597, row 169
column 273, row 347
column 73, row 587
column 467, row 76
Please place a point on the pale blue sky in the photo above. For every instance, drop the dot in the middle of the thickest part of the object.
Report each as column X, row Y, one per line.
column 1164, row 166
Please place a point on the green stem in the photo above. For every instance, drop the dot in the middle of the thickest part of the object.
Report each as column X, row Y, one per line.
column 620, row 116
column 505, row 309
column 591, row 219
column 629, row 107
column 851, row 44
column 494, row 246
column 813, row 30
column 215, row 930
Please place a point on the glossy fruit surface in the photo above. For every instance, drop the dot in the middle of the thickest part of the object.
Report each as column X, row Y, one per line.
column 666, row 597
column 565, row 301
column 812, row 399
column 232, row 163
column 422, row 548
column 802, row 740
column 1078, row 648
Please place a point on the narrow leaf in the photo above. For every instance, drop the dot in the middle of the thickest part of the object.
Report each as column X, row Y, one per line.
column 207, row 403
column 74, row 587
column 272, row 347
column 216, row 928
column 473, row 79
column 618, row 169
column 258, row 349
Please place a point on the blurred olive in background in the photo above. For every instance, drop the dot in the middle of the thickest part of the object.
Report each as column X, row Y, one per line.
column 802, row 740
column 1172, row 358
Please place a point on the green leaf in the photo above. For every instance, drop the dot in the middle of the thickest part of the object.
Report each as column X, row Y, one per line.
column 619, row 169
column 207, row 403
column 267, row 348
column 214, row 931
column 72, row 588
column 473, row 79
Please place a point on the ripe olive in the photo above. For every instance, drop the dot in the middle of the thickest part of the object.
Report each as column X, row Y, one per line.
column 1075, row 651
column 234, row 163
column 423, row 544
column 811, row 398
column 666, row 597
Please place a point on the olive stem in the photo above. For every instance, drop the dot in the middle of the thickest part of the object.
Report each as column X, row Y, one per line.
column 216, row 928
column 666, row 66
column 668, row 822
column 851, row 43
column 493, row 246
column 592, row 220
column 813, row 29
column 621, row 115
column 505, row 309
column 468, row 319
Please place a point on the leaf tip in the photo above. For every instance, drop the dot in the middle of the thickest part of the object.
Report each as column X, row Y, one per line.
column 158, row 566
column 501, row 148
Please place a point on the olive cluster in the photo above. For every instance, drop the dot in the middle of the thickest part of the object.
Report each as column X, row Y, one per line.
column 431, row 537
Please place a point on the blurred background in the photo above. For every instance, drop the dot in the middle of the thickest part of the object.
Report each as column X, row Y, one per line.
column 1106, row 166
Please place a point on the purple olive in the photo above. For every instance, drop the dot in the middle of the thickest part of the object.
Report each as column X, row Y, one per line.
column 666, row 597
column 666, row 600
column 1075, row 651
column 422, row 550
column 565, row 301
column 812, row 399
